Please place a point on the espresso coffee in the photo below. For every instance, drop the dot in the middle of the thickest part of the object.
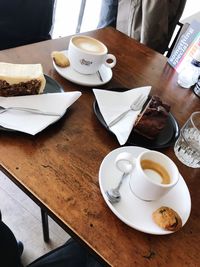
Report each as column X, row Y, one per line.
column 89, row 45
column 155, row 171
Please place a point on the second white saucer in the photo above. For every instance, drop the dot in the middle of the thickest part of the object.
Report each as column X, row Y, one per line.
column 97, row 79
column 133, row 211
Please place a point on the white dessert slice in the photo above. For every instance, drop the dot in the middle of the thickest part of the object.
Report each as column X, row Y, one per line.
column 14, row 74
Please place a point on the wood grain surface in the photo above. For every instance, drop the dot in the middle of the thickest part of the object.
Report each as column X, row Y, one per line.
column 59, row 167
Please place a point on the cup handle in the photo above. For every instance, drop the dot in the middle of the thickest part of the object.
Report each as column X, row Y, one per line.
column 125, row 162
column 113, row 58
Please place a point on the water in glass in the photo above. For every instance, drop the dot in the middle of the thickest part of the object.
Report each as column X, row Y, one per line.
column 187, row 147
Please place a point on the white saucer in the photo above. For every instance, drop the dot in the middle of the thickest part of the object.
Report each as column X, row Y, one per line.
column 86, row 80
column 133, row 211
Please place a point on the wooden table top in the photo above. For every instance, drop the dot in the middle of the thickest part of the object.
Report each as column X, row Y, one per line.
column 59, row 167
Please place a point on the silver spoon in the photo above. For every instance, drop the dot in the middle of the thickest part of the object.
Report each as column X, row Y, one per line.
column 113, row 194
column 126, row 167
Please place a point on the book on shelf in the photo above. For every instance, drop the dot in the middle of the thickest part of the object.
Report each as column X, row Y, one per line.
column 186, row 46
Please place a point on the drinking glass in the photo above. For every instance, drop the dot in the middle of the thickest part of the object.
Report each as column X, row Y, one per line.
column 187, row 147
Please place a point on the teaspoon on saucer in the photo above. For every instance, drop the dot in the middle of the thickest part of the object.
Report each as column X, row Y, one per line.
column 99, row 76
column 113, row 194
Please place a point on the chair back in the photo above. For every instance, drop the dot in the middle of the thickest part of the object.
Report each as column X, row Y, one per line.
column 24, row 22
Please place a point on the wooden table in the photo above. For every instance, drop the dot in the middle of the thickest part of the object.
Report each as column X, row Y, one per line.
column 59, row 167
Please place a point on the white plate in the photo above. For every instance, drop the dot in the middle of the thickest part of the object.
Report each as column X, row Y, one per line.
column 133, row 211
column 87, row 80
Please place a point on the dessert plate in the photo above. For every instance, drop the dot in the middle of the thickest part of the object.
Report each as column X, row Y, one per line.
column 166, row 138
column 51, row 87
column 97, row 79
column 133, row 211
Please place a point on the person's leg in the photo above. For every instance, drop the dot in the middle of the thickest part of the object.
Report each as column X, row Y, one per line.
column 9, row 253
column 71, row 254
column 108, row 13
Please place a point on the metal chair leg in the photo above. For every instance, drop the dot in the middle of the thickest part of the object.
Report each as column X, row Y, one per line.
column 45, row 225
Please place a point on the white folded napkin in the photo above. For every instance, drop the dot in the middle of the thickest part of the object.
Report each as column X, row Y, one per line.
column 33, row 123
column 112, row 104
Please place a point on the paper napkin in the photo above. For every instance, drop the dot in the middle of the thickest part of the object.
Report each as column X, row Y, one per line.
column 112, row 104
column 32, row 123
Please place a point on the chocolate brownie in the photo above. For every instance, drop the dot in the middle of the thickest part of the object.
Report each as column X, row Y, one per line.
column 152, row 119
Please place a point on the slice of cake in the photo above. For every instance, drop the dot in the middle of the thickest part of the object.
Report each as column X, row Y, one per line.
column 152, row 119
column 21, row 79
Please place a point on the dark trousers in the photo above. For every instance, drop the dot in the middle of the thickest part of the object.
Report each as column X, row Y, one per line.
column 108, row 13
column 71, row 254
column 9, row 254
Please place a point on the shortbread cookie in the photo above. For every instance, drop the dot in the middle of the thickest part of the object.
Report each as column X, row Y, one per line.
column 167, row 219
column 60, row 59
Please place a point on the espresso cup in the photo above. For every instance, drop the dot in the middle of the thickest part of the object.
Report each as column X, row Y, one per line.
column 87, row 55
column 153, row 175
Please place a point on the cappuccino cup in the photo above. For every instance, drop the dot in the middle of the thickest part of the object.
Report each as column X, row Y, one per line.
column 87, row 55
column 153, row 174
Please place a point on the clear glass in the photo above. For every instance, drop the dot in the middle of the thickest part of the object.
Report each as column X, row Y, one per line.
column 187, row 147
column 188, row 76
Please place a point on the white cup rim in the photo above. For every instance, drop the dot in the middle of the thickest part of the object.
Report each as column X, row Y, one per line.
column 89, row 52
column 171, row 184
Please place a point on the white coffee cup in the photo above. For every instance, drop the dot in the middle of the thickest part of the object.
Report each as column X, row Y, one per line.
column 153, row 175
column 87, row 55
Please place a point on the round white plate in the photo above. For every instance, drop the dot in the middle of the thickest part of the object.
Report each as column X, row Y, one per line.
column 133, row 211
column 86, row 80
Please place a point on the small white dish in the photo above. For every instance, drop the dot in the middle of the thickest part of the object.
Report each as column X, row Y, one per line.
column 133, row 211
column 104, row 76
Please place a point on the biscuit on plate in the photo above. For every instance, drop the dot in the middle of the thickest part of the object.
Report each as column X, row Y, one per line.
column 167, row 219
column 60, row 59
